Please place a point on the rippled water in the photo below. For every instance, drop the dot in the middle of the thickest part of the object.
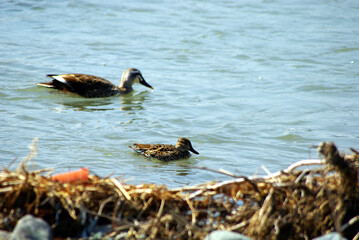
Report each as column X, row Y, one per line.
column 250, row 83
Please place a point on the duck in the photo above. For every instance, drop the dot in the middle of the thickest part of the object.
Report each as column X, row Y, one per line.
column 166, row 152
column 91, row 86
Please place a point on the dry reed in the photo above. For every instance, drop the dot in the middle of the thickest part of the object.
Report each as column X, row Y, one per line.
column 290, row 204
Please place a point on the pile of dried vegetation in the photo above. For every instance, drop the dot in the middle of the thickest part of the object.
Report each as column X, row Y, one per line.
column 290, row 204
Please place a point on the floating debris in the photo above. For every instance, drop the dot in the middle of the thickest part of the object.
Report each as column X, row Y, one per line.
column 80, row 175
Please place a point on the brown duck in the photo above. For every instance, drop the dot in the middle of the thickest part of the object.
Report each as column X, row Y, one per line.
column 92, row 86
column 166, row 152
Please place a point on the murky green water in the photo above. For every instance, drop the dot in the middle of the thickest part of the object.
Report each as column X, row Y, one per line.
column 250, row 83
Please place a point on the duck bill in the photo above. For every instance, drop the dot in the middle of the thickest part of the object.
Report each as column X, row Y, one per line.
column 144, row 83
column 192, row 150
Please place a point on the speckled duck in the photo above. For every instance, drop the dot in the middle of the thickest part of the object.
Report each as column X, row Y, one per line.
column 166, row 152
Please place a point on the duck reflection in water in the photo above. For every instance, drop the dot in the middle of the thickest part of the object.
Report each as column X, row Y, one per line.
column 129, row 102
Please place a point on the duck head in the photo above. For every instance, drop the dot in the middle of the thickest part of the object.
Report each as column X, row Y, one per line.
column 131, row 76
column 183, row 144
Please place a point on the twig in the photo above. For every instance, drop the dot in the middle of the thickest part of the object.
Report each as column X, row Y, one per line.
column 349, row 223
column 221, row 184
column 101, row 215
column 301, row 176
column 8, row 166
column 239, row 225
column 144, row 207
column 331, row 205
column 270, row 175
column 50, row 170
column 103, row 205
column 266, row 170
column 161, row 208
column 193, row 210
column 122, row 189
column 30, row 155
column 308, row 162
column 33, row 150
column 220, row 171
column 354, row 150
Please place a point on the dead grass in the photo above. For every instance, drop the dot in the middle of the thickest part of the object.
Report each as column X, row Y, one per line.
column 290, row 204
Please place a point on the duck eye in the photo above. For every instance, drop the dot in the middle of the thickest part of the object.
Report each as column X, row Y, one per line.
column 134, row 73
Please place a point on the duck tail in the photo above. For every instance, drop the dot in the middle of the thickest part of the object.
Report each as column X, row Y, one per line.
column 46, row 84
column 51, row 75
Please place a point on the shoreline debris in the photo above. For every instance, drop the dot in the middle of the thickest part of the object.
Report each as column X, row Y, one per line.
column 289, row 204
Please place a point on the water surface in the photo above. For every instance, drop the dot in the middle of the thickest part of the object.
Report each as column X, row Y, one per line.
column 250, row 83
